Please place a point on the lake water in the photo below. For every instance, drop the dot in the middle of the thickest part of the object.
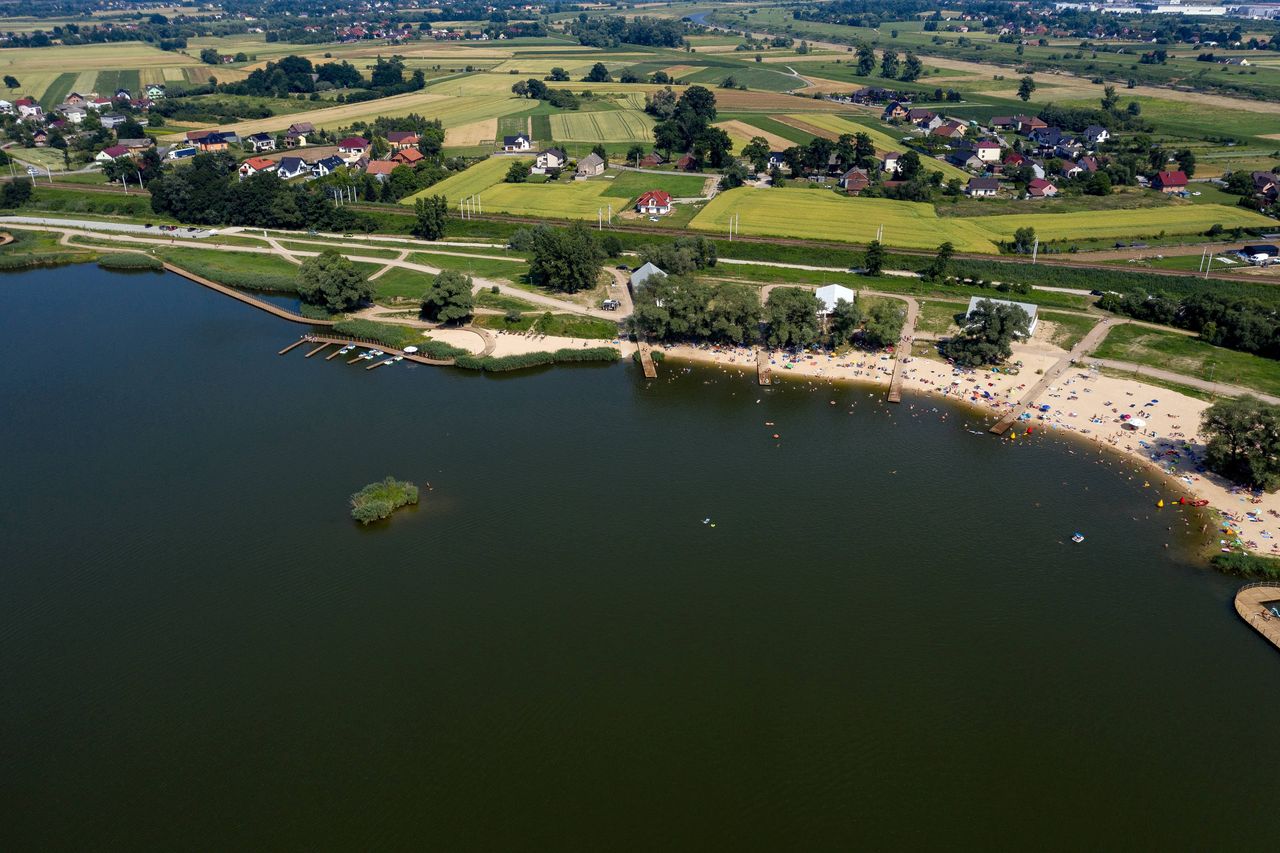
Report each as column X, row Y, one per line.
column 886, row 640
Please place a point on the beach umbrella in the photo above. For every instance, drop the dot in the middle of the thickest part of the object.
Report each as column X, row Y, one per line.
column 1137, row 423
column 410, row 349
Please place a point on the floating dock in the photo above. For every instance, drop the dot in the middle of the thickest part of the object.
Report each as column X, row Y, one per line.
column 764, row 373
column 895, row 383
column 299, row 342
column 646, row 361
column 1249, row 604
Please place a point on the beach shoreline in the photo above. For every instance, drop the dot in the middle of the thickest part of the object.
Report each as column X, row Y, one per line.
column 1084, row 405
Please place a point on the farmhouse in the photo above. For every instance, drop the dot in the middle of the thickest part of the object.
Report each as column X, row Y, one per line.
column 519, row 142
column 950, row 130
column 830, row 294
column 552, row 158
column 654, row 202
column 260, row 142
column 855, row 181
column 895, row 111
column 686, row 163
column 983, row 187
column 590, row 166
column 1170, row 182
column 891, row 161
column 254, row 165
column 987, row 151
column 1025, row 306
column 648, row 161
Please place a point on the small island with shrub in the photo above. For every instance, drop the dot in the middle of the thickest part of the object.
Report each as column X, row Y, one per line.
column 377, row 501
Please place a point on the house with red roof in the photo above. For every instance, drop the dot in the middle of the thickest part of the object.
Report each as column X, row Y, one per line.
column 380, row 169
column 1041, row 188
column 402, row 139
column 254, row 165
column 112, row 152
column 408, row 156
column 1170, row 182
column 353, row 145
column 654, row 202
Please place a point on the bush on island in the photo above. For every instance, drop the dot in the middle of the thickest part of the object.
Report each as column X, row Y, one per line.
column 377, row 501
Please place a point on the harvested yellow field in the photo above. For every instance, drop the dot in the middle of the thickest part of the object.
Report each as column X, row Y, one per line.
column 678, row 70
column 475, row 133
column 741, row 133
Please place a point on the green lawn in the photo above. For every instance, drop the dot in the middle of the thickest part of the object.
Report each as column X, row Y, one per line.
column 236, row 269
column 938, row 318
column 1070, row 328
column 630, row 185
column 1190, row 357
column 503, row 302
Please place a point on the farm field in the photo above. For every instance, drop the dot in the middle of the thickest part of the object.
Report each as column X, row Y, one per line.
column 467, row 183
column 741, row 133
column 602, row 126
column 632, row 184
column 824, row 215
column 1127, row 224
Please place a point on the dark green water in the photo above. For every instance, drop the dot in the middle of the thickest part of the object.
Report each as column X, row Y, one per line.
column 886, row 640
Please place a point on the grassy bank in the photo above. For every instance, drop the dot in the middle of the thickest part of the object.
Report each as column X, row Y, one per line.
column 1191, row 357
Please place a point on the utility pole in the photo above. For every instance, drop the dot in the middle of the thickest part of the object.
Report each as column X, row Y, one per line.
column 1035, row 250
column 1203, row 252
column 1208, row 267
column 125, row 180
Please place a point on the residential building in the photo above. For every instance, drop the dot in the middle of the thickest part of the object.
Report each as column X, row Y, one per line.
column 327, row 166
column 260, row 142
column 402, row 139
column 298, row 134
column 1041, row 188
column 590, row 166
column 654, row 203
column 111, row 152
column 292, row 167
column 552, row 158
column 519, row 142
column 254, row 165
column 408, row 156
column 356, row 145
column 380, row 169
column 1096, row 134
column 983, row 187
column 987, row 151
column 855, row 181
column 1170, row 182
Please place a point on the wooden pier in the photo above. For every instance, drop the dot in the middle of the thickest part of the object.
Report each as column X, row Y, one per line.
column 299, row 342
column 895, row 383
column 1249, row 604
column 331, row 356
column 246, row 298
column 764, row 373
column 368, row 344
column 646, row 361
column 316, row 350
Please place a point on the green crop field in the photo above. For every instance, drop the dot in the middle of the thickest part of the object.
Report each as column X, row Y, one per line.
column 58, row 90
column 631, row 184
column 1126, row 224
column 602, row 126
column 824, row 215
column 109, row 81
column 478, row 178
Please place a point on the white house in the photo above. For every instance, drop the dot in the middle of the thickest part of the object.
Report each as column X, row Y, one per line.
column 552, row 158
column 987, row 151
column 654, row 203
column 292, row 167
column 260, row 142
column 830, row 294
column 1025, row 306
column 891, row 161
column 327, row 166
column 519, row 142
column 1096, row 134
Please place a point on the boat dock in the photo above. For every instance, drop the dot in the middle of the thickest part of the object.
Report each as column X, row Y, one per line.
column 299, row 342
column 764, row 373
column 316, row 350
column 1249, row 604
column 323, row 341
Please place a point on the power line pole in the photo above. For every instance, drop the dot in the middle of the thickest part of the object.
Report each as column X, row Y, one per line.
column 1035, row 250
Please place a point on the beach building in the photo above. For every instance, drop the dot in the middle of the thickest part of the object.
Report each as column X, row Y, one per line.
column 643, row 274
column 830, row 294
column 1025, row 306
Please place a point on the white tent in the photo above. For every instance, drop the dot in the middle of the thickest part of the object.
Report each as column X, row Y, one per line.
column 831, row 294
column 646, row 272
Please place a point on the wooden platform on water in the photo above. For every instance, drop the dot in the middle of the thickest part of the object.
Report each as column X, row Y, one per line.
column 764, row 372
column 646, row 361
column 1249, row 601
column 895, row 383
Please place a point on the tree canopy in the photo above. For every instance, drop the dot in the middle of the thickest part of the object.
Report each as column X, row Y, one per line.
column 1243, row 441
column 986, row 338
column 448, row 298
column 791, row 316
column 567, row 259
column 333, row 282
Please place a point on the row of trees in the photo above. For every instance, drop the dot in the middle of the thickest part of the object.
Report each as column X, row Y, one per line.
column 684, row 124
column 907, row 69
column 1247, row 325
column 677, row 307
column 614, row 30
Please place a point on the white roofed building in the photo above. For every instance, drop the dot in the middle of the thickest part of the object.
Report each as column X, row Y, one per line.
column 1025, row 306
column 830, row 294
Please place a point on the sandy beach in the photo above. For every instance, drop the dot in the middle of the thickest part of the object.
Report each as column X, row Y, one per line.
column 1084, row 404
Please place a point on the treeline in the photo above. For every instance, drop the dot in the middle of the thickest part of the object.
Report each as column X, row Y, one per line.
column 679, row 308
column 1246, row 325
column 297, row 75
column 614, row 30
